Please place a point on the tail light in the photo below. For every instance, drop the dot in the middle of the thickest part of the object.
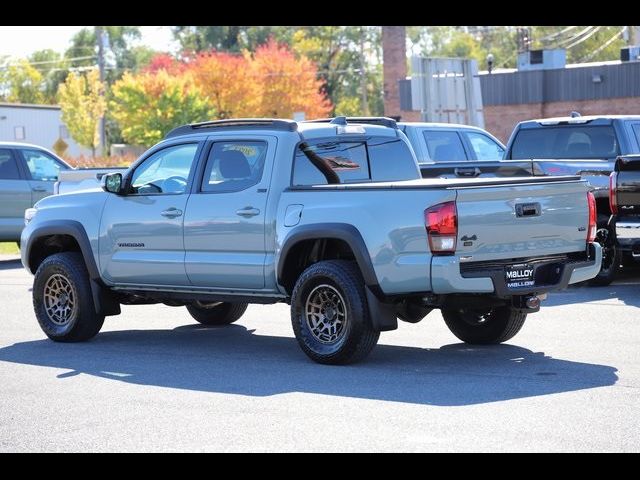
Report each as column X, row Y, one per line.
column 591, row 232
column 613, row 194
column 441, row 222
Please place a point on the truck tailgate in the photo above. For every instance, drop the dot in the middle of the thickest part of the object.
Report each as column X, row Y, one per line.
column 521, row 220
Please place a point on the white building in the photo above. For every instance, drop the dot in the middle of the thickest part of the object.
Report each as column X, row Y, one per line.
column 38, row 124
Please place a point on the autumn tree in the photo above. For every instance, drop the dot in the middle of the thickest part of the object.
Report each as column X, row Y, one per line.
column 22, row 83
column 285, row 84
column 228, row 82
column 81, row 98
column 148, row 105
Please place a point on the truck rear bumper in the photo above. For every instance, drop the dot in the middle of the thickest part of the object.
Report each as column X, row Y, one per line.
column 449, row 276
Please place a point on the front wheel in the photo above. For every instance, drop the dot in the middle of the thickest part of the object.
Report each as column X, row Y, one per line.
column 329, row 313
column 484, row 326
column 62, row 299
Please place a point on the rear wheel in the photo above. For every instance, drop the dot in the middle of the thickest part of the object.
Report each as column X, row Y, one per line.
column 62, row 299
column 610, row 258
column 329, row 313
column 484, row 326
column 221, row 313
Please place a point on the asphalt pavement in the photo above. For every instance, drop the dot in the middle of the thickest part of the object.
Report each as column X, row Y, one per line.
column 154, row 380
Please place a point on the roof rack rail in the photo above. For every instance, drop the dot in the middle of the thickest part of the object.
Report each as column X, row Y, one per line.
column 382, row 121
column 257, row 123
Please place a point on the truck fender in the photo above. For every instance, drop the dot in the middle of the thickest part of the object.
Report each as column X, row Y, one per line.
column 382, row 315
column 103, row 300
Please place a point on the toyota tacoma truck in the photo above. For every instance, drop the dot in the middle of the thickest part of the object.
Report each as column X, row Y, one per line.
column 581, row 145
column 330, row 216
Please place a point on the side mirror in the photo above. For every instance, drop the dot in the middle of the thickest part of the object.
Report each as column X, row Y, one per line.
column 112, row 183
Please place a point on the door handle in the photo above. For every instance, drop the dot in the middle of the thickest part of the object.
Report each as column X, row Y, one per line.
column 248, row 212
column 467, row 172
column 171, row 213
column 39, row 189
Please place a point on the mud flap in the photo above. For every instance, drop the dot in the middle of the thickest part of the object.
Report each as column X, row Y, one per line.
column 383, row 315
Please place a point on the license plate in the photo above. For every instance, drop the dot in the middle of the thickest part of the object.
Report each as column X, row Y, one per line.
column 520, row 275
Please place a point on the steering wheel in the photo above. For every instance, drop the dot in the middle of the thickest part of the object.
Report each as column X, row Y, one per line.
column 174, row 184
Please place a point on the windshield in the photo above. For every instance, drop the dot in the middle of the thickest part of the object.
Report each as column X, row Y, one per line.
column 572, row 142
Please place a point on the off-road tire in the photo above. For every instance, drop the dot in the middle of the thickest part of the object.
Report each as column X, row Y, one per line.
column 340, row 284
column 495, row 325
column 76, row 320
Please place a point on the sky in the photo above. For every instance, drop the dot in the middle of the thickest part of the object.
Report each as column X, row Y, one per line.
column 21, row 41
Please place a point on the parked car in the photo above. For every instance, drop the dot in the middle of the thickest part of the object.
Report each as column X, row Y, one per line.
column 624, row 194
column 27, row 174
column 448, row 150
column 330, row 216
column 585, row 146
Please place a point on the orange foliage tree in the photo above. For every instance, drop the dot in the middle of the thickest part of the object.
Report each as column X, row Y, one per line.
column 271, row 82
column 286, row 84
column 227, row 82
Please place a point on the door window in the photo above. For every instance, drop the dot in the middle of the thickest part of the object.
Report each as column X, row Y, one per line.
column 165, row 171
column 484, row 147
column 444, row 146
column 636, row 130
column 42, row 166
column 8, row 167
column 234, row 166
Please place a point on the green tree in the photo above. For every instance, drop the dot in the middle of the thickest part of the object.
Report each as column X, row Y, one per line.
column 148, row 105
column 21, row 83
column 84, row 44
column 53, row 68
column 82, row 101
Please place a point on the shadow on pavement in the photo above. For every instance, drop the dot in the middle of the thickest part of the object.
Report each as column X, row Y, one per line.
column 234, row 360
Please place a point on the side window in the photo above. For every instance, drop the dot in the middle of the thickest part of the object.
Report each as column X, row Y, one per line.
column 636, row 130
column 41, row 165
column 234, row 166
column 484, row 147
column 8, row 166
column 348, row 159
column 444, row 146
column 166, row 171
column 390, row 159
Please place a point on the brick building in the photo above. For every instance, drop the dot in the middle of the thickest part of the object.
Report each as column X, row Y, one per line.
column 589, row 88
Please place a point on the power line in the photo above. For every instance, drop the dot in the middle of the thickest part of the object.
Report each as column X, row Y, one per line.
column 553, row 35
column 603, row 46
column 589, row 35
column 62, row 60
column 571, row 39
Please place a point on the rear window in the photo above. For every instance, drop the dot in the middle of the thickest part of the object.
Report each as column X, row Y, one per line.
column 636, row 130
column 444, row 146
column 569, row 141
column 355, row 161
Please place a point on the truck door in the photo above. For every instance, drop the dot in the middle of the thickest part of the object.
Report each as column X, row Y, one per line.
column 224, row 226
column 43, row 169
column 15, row 196
column 141, row 232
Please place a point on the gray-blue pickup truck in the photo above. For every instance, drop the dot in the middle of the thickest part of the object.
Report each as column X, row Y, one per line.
column 330, row 216
column 586, row 146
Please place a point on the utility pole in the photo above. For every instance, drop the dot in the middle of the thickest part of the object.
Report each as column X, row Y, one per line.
column 100, row 39
column 363, row 76
column 633, row 36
